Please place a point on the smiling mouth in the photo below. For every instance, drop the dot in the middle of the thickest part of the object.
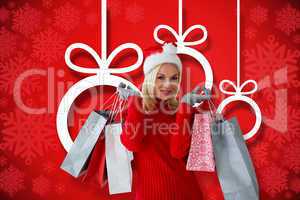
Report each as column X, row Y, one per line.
column 166, row 92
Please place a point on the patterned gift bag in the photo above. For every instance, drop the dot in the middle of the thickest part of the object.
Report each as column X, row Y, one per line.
column 201, row 151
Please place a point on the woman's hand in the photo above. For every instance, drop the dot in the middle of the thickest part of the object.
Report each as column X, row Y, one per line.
column 126, row 91
column 192, row 97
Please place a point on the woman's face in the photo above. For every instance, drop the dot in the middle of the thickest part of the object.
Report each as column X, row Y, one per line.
column 166, row 82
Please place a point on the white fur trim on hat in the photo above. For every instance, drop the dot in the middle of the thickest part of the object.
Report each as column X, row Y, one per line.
column 168, row 55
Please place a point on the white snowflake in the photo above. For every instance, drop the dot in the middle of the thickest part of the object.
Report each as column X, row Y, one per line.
column 288, row 19
column 41, row 186
column 48, row 46
column 269, row 57
column 67, row 17
column 26, row 20
column 27, row 136
column 134, row 13
column 273, row 180
column 11, row 180
column 8, row 41
column 259, row 14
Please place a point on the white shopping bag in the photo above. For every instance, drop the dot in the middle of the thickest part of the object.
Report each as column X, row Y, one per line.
column 76, row 160
column 118, row 160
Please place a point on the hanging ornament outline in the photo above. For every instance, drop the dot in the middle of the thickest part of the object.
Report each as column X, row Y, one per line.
column 239, row 94
column 103, row 75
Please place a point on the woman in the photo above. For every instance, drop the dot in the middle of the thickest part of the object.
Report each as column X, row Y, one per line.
column 157, row 130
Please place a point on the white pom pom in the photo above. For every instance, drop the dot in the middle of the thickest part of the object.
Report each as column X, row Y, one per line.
column 169, row 48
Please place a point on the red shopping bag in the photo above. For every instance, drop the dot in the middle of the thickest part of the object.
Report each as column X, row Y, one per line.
column 96, row 171
column 209, row 183
column 201, row 156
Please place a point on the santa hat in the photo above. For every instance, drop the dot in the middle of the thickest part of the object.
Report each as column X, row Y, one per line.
column 164, row 54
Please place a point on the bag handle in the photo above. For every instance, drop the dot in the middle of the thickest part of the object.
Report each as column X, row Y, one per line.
column 212, row 107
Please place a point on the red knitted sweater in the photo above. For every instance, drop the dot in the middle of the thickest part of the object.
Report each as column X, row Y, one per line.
column 160, row 143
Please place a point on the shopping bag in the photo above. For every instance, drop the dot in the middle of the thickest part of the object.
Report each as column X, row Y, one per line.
column 96, row 170
column 200, row 156
column 118, row 160
column 75, row 163
column 233, row 163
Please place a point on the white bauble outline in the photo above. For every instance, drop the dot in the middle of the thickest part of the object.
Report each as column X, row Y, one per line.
column 102, row 78
column 202, row 60
column 73, row 93
column 252, row 103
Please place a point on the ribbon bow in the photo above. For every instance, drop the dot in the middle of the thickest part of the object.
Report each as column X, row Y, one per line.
column 103, row 63
column 238, row 89
column 180, row 37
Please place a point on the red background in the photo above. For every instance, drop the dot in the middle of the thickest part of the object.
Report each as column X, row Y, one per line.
column 35, row 33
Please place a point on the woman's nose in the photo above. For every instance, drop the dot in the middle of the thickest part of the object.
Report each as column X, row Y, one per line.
column 168, row 84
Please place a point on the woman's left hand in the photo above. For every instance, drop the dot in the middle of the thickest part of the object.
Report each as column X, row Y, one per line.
column 126, row 91
column 192, row 97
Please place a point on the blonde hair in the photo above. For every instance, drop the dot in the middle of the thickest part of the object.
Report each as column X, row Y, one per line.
column 149, row 100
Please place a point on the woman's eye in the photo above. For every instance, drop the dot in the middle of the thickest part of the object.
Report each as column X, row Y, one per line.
column 174, row 79
column 160, row 78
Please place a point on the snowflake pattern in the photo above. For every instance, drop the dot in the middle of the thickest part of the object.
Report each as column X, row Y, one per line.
column 67, row 17
column 11, row 180
column 273, row 133
column 26, row 20
column 41, row 186
column 27, row 136
column 11, row 70
column 48, row 46
column 4, row 102
column 60, row 188
column 273, row 180
column 8, row 41
column 250, row 33
column 294, row 184
column 288, row 19
column 49, row 167
column 91, row 19
column 269, row 57
column 11, row 5
column 115, row 7
column 295, row 98
column 3, row 161
column 296, row 39
column 260, row 154
column 47, row 3
column 4, row 14
column 134, row 13
column 291, row 156
column 259, row 14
